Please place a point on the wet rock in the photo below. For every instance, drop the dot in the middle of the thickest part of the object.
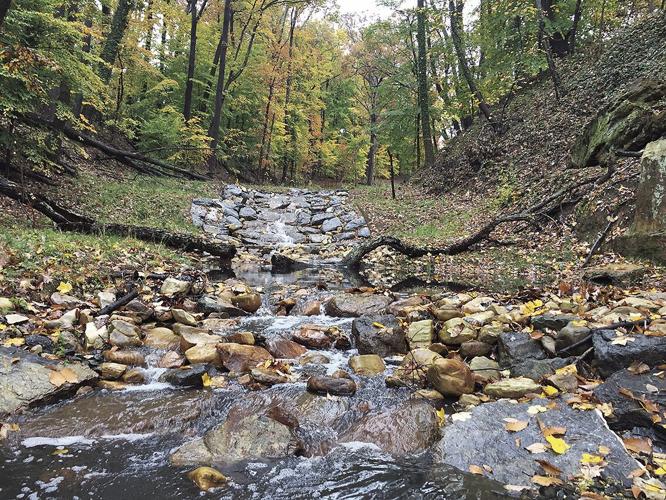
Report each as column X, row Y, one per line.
column 246, row 338
column 570, row 335
column 552, row 321
column 419, row 334
column 410, row 428
column 484, row 369
column 171, row 360
column 450, row 377
column 613, row 357
column 173, row 286
column 248, row 302
column 284, row 349
column 538, row 369
column 241, row 358
column 313, row 358
column 45, row 342
column 250, row 437
column 381, row 335
column 415, row 365
column 312, row 308
column 515, row 347
column 474, row 348
column 111, row 371
column 27, row 379
column 348, row 305
column 331, row 385
column 161, row 338
column 267, row 376
column 190, row 336
column 482, row 439
column 189, row 376
column 456, row 331
column 281, row 263
column 130, row 358
column 112, row 385
column 627, row 412
column 208, row 305
column 203, row 353
column 367, row 364
column 134, row 376
column 207, row 478
column 124, row 334
column 314, row 337
column 183, row 317
column 512, row 388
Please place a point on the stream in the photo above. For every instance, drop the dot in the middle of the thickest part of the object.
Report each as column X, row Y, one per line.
column 116, row 444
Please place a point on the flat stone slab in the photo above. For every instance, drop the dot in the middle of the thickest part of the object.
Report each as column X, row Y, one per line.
column 482, row 440
column 27, row 379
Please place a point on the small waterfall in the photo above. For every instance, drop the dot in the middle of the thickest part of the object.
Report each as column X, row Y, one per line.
column 279, row 230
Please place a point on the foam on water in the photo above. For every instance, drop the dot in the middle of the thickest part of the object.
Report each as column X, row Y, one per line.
column 33, row 442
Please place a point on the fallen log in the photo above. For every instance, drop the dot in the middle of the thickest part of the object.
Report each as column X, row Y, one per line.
column 124, row 300
column 69, row 220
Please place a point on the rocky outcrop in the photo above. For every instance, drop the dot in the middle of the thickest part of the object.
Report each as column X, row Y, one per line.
column 27, row 379
column 612, row 357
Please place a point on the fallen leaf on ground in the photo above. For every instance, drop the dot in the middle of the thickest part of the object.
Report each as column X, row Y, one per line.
column 513, row 425
column 638, row 445
column 546, row 480
column 475, row 469
column 64, row 287
column 558, row 445
column 536, row 448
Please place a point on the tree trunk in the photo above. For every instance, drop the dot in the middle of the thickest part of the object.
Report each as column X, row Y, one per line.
column 372, row 152
column 456, row 13
column 574, row 28
column 422, row 73
column 417, row 141
column 214, row 130
column 264, row 132
column 4, row 8
column 545, row 41
column 203, row 104
column 392, row 172
column 288, row 125
column 189, row 84
column 112, row 44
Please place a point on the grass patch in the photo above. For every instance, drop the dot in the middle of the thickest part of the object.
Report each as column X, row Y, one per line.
column 141, row 200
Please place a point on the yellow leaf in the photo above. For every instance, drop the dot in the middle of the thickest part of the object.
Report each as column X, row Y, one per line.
column 567, row 370
column 441, row 416
column 588, row 458
column 546, row 480
column 3, row 327
column 206, row 380
column 60, row 451
column 660, row 471
column 378, row 325
column 534, row 409
column 64, row 287
column 475, row 469
column 549, row 390
column 558, row 445
column 13, row 342
column 69, row 375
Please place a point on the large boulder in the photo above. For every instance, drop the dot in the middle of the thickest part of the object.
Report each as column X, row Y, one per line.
column 242, row 358
column 321, row 384
column 350, row 305
column 451, row 377
column 612, row 357
column 381, row 335
column 414, row 367
column 238, row 438
column 27, row 379
column 284, row 349
column 410, row 428
column 515, row 347
column 483, row 440
column 367, row 364
column 419, row 334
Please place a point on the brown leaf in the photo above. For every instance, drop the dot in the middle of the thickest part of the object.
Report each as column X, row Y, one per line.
column 57, row 379
column 549, row 468
column 638, row 368
column 70, row 375
column 515, row 425
column 638, row 445
column 475, row 469
column 553, row 431
column 546, row 480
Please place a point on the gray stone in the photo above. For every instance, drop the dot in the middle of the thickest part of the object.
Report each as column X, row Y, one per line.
column 364, row 232
column 209, row 304
column 482, row 439
column 551, row 321
column 613, row 357
column 319, row 218
column 515, row 347
column 352, row 304
column 331, row 225
column 537, row 369
column 512, row 388
column 570, row 335
column 381, row 335
column 484, row 369
column 248, row 213
column 355, row 224
column 190, row 376
column 26, row 379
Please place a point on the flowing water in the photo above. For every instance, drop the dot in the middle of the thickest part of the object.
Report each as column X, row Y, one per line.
column 117, row 444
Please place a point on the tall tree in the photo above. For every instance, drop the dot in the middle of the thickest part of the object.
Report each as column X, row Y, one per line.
column 111, row 46
column 195, row 12
column 4, row 8
column 422, row 77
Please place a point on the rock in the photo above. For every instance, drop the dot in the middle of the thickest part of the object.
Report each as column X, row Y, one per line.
column 330, row 225
column 451, row 377
column 564, row 382
column 367, row 364
column 43, row 341
column 267, row 376
column 190, row 376
column 481, row 318
column 484, row 369
column 490, row 334
column 246, row 338
column 189, row 337
column 124, row 334
column 429, row 394
column 248, row 302
column 415, row 365
column 364, row 232
column 479, row 304
column 512, row 388
column 381, row 335
column 241, row 358
column 538, row 369
column 410, row 428
column 210, row 305
column 161, row 338
column 312, row 308
column 111, row 385
column 207, row 478
column 402, row 308
column 468, row 401
column 314, row 337
column 27, row 379
column 482, row 439
column 447, row 312
column 238, row 438
column 17, row 319
column 570, row 335
column 515, row 347
column 203, row 353
column 171, row 360
column 346, row 305
column 183, row 317
column 552, row 321
column 173, row 286
column 6, row 305
column 248, row 213
column 613, row 357
column 111, row 371
column 130, row 358
column 627, row 412
column 474, row 348
column 281, row 348
column 623, row 275
column 105, row 299
column 134, row 376
column 68, row 301
column 313, row 358
column 95, row 337
column 419, row 334
column 331, row 385
column 456, row 331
